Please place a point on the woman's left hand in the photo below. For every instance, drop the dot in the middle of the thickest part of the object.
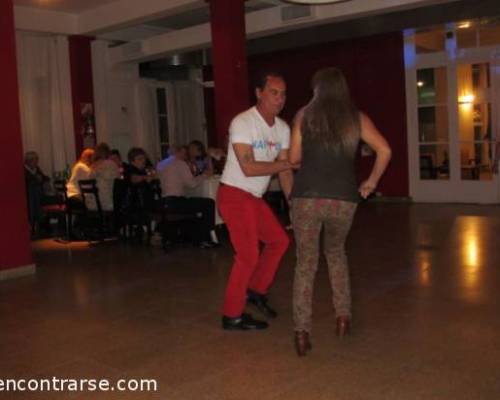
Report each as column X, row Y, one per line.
column 367, row 188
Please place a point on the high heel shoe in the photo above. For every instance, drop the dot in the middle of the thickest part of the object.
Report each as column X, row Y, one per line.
column 343, row 326
column 302, row 343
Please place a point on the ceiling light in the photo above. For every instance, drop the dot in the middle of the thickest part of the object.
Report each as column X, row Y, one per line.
column 464, row 25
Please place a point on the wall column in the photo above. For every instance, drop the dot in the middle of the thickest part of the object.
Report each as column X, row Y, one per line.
column 15, row 246
column 229, row 63
column 81, row 86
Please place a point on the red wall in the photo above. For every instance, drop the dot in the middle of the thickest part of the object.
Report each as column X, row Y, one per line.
column 374, row 68
column 80, row 56
column 230, row 63
column 15, row 250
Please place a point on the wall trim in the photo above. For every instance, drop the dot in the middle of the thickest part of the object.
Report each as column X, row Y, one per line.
column 18, row 272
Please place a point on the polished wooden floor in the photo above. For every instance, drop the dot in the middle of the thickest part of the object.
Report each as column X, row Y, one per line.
column 426, row 298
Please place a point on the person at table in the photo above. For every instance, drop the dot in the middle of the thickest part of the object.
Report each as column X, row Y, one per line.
column 198, row 159
column 34, row 179
column 258, row 149
column 138, row 178
column 80, row 171
column 116, row 157
column 176, row 178
column 75, row 205
column 104, row 171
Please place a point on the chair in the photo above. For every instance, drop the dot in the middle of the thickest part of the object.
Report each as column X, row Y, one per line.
column 60, row 209
column 135, row 212
column 102, row 219
column 171, row 223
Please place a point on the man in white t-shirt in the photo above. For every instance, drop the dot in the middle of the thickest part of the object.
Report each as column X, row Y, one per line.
column 258, row 148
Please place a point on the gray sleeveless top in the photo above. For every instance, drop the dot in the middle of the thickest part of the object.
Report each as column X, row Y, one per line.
column 325, row 173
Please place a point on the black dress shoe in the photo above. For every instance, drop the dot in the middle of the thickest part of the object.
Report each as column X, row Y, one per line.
column 244, row 323
column 259, row 301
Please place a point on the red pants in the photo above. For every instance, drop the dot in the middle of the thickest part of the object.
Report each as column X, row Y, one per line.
column 249, row 221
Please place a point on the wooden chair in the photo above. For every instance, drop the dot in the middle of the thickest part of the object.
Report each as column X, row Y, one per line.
column 101, row 220
column 171, row 223
column 60, row 209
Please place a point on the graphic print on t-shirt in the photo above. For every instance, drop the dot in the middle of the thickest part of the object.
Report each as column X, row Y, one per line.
column 266, row 144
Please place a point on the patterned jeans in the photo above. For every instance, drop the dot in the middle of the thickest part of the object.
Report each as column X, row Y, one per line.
column 309, row 216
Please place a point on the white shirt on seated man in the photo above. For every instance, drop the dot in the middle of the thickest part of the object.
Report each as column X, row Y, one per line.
column 175, row 177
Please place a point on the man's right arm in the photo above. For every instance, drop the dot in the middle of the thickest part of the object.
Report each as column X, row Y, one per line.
column 250, row 167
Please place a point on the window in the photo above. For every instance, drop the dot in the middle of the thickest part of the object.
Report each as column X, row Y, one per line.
column 432, row 90
column 474, row 121
column 430, row 40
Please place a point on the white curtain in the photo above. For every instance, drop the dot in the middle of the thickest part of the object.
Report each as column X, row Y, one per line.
column 186, row 112
column 146, row 132
column 45, row 99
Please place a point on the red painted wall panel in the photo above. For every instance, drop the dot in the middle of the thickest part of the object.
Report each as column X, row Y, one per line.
column 81, row 81
column 15, row 249
column 230, row 64
column 374, row 68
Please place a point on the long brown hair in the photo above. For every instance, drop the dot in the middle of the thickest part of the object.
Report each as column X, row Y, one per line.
column 331, row 117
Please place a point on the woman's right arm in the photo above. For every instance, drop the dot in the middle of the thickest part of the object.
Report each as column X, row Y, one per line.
column 372, row 137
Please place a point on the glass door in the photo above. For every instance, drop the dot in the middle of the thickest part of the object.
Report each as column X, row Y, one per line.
column 433, row 131
column 474, row 122
column 452, row 117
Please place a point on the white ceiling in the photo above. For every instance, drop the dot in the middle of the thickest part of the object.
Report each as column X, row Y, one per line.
column 68, row 6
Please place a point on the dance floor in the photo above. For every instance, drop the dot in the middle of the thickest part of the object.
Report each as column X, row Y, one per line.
column 426, row 308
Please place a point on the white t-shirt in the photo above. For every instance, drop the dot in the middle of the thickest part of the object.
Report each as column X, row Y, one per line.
column 249, row 127
column 80, row 171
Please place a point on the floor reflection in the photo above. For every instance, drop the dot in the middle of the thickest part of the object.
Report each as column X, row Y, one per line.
column 471, row 236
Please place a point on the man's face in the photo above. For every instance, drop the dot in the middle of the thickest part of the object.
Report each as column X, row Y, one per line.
column 139, row 161
column 272, row 97
column 194, row 151
column 32, row 162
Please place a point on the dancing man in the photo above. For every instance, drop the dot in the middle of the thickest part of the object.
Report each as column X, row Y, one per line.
column 258, row 149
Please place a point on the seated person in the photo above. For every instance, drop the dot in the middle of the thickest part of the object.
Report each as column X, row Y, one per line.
column 80, row 171
column 138, row 178
column 105, row 172
column 198, row 159
column 34, row 179
column 175, row 177
column 117, row 158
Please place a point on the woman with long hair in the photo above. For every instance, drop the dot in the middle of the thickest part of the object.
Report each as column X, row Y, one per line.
column 81, row 170
column 325, row 138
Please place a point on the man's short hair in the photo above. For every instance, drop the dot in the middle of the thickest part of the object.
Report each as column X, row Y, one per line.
column 116, row 152
column 264, row 75
column 135, row 152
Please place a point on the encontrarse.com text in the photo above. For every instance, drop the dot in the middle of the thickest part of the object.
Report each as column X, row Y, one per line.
column 77, row 385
